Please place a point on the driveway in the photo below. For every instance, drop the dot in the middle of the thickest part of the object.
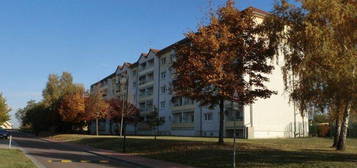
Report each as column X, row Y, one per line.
column 55, row 155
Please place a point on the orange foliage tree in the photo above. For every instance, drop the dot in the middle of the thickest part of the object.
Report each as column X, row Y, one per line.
column 121, row 109
column 71, row 106
column 124, row 112
column 225, row 60
column 95, row 107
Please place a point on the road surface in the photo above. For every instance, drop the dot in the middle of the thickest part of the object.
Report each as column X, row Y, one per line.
column 55, row 155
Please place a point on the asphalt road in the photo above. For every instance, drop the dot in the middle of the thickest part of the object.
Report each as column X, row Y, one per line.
column 55, row 155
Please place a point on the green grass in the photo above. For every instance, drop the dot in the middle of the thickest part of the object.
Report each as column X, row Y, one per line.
column 204, row 152
column 11, row 158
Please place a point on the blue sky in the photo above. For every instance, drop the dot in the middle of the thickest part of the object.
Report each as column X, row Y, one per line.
column 88, row 38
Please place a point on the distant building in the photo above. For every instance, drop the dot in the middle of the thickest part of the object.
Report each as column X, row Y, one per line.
column 147, row 83
column 6, row 125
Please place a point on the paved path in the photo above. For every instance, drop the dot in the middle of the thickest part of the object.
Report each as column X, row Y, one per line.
column 56, row 155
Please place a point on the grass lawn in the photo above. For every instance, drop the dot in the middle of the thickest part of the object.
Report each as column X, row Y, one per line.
column 204, row 152
column 11, row 158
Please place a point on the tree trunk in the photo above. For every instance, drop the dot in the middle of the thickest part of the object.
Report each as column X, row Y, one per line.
column 341, row 145
column 221, row 122
column 96, row 126
column 135, row 128
column 124, row 141
column 337, row 130
column 111, row 127
column 303, row 126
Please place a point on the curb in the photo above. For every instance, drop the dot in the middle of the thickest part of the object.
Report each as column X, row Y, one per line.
column 105, row 156
column 34, row 161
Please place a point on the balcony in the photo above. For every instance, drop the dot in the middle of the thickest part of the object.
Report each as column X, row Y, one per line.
column 182, row 125
column 144, row 127
column 230, row 124
column 183, row 107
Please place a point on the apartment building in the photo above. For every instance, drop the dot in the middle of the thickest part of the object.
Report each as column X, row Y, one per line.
column 147, row 83
column 6, row 125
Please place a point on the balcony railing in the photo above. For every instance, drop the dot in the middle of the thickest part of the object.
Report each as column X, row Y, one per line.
column 230, row 124
column 182, row 125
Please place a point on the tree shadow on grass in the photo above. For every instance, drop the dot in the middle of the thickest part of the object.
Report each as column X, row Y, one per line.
column 222, row 156
column 209, row 154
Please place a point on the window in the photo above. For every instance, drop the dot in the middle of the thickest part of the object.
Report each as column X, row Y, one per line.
column 170, row 88
column 163, row 89
column 134, row 73
column 150, row 76
column 163, row 75
column 172, row 58
column 187, row 101
column 143, row 66
column 151, row 62
column 142, row 106
column 149, row 91
column 142, row 92
column 163, row 60
column 134, row 84
column 149, row 105
column 142, row 79
column 177, row 118
column 162, row 104
column 208, row 116
column 177, row 101
column 188, row 117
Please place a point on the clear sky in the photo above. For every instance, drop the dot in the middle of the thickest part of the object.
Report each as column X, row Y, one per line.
column 88, row 38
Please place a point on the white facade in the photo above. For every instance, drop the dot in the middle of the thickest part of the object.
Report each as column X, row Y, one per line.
column 148, row 84
column 6, row 125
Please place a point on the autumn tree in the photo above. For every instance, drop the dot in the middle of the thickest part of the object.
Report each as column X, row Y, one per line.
column 226, row 60
column 124, row 112
column 318, row 40
column 56, row 87
column 96, row 108
column 4, row 110
column 71, row 105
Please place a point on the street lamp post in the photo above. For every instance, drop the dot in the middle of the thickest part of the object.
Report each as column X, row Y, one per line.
column 234, row 143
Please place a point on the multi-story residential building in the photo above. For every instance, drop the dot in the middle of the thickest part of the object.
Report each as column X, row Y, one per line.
column 147, row 83
column 6, row 125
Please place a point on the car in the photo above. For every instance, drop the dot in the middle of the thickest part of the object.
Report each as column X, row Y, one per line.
column 4, row 134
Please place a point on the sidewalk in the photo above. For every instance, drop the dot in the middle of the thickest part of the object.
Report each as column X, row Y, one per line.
column 130, row 158
column 4, row 143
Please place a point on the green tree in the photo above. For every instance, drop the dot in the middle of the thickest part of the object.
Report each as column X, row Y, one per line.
column 225, row 60
column 36, row 116
column 318, row 39
column 154, row 120
column 56, row 88
column 4, row 110
column 22, row 114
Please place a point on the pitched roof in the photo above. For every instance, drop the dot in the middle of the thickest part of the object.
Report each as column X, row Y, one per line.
column 154, row 50
column 109, row 76
column 257, row 11
column 164, row 50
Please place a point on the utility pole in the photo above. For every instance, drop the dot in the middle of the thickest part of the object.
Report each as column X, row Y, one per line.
column 201, row 120
column 96, row 126
column 234, row 113
column 234, row 136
